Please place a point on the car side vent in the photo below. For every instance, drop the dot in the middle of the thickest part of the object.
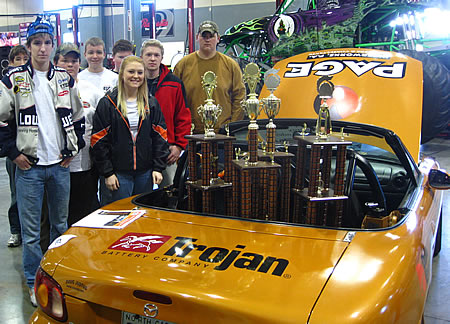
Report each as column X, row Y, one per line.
column 153, row 297
column 399, row 180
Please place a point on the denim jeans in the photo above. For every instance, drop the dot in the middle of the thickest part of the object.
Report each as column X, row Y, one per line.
column 30, row 185
column 132, row 183
column 104, row 193
column 13, row 213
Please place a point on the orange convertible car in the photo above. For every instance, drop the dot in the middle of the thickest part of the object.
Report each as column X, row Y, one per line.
column 340, row 229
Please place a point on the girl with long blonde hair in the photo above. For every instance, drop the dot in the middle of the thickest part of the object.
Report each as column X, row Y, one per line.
column 129, row 136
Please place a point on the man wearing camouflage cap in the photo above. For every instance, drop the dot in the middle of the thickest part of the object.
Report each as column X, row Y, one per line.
column 230, row 89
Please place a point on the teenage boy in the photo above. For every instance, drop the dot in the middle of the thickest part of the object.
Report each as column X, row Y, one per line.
column 105, row 80
column 17, row 56
column 49, row 121
column 83, row 177
column 230, row 89
column 169, row 91
column 95, row 54
column 121, row 49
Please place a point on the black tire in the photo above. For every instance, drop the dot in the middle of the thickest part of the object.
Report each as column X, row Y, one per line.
column 437, row 242
column 436, row 95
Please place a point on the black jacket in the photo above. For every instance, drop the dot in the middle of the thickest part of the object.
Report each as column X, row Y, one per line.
column 112, row 145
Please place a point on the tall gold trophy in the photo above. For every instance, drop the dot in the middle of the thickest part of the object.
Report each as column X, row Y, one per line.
column 204, row 183
column 254, row 182
column 271, row 105
column 251, row 106
column 209, row 112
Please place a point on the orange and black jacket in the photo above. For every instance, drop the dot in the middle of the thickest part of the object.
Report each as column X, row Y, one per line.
column 113, row 147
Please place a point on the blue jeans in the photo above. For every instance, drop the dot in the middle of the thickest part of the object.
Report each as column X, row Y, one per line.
column 30, row 185
column 13, row 213
column 132, row 183
column 104, row 193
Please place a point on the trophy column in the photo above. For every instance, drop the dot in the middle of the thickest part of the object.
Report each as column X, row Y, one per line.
column 324, row 205
column 192, row 167
column 209, row 181
column 316, row 198
column 228, row 175
column 284, row 159
column 271, row 106
column 254, row 182
column 252, row 195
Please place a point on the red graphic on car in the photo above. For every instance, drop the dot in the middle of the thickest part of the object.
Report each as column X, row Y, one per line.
column 139, row 242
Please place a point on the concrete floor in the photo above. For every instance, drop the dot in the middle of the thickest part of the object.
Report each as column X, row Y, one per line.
column 15, row 307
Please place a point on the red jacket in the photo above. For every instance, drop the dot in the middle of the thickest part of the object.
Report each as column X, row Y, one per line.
column 171, row 96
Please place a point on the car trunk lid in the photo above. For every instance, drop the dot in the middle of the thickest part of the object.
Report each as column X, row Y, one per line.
column 204, row 265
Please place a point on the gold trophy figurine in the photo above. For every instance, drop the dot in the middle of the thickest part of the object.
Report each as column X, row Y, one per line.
column 209, row 112
column 252, row 75
column 271, row 106
column 325, row 88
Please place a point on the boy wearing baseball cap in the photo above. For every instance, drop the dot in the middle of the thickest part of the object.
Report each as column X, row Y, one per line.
column 42, row 102
column 230, row 89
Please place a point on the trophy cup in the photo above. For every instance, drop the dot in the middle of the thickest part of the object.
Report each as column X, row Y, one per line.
column 209, row 112
column 252, row 108
column 271, row 106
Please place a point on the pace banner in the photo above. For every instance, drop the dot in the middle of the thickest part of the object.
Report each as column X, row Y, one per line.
column 165, row 20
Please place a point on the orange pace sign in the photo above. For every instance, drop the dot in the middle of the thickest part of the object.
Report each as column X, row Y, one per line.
column 372, row 87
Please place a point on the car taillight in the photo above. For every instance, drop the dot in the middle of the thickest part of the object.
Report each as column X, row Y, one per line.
column 49, row 296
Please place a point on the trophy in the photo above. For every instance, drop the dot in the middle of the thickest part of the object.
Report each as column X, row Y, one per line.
column 254, row 189
column 271, row 106
column 325, row 88
column 209, row 112
column 252, row 107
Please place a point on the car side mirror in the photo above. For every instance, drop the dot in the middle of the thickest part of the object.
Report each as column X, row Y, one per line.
column 439, row 179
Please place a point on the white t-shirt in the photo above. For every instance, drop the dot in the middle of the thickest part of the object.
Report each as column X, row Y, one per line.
column 105, row 80
column 133, row 116
column 50, row 133
column 90, row 95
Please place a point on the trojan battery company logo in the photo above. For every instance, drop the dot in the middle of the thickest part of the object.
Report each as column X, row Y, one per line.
column 139, row 242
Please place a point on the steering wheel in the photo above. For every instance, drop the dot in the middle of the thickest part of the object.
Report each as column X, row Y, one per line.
column 355, row 159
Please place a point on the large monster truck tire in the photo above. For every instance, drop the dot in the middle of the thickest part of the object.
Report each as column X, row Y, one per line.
column 436, row 95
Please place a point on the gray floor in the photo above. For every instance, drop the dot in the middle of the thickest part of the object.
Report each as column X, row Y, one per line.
column 15, row 307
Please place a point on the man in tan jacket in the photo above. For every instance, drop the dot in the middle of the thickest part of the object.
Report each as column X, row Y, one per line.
column 230, row 89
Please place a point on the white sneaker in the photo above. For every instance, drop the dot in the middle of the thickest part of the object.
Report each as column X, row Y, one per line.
column 14, row 240
column 32, row 296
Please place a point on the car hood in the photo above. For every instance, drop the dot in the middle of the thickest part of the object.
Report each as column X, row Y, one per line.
column 205, row 265
column 370, row 87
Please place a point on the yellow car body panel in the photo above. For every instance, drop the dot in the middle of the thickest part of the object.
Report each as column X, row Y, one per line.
column 194, row 286
column 387, row 89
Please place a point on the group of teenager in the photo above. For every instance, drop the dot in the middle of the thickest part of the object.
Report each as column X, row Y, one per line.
column 66, row 133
